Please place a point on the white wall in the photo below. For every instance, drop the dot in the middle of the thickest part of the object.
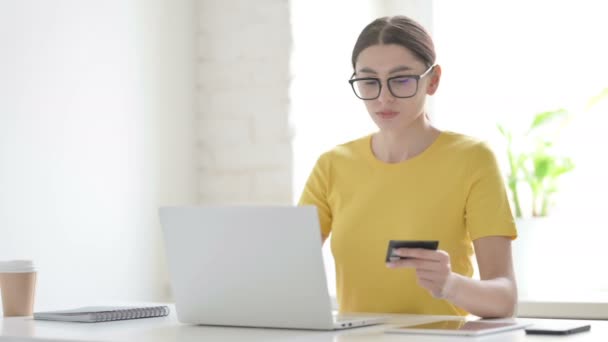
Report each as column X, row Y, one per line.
column 244, row 141
column 419, row 10
column 96, row 112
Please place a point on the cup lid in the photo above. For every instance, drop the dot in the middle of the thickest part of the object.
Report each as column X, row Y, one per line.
column 17, row 266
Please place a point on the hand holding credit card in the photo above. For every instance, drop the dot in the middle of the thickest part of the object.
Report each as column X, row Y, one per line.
column 395, row 244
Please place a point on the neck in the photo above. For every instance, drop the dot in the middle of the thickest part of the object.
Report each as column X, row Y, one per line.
column 397, row 146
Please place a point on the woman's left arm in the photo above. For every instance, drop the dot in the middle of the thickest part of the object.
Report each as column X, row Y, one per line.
column 494, row 295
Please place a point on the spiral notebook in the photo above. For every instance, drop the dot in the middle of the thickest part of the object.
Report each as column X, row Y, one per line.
column 94, row 314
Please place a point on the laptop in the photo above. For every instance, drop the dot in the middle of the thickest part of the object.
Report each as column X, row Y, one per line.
column 253, row 266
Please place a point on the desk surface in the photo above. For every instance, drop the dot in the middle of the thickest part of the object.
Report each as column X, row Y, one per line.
column 167, row 329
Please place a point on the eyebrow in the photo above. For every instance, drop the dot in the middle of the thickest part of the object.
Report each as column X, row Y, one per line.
column 392, row 71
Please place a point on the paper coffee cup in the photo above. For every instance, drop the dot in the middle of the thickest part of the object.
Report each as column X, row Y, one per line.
column 18, row 287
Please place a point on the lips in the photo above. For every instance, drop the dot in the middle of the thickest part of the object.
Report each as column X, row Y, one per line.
column 387, row 114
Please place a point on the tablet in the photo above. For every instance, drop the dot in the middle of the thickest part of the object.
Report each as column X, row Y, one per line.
column 458, row 327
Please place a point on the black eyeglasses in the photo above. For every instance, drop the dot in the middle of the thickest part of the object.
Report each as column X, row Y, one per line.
column 400, row 86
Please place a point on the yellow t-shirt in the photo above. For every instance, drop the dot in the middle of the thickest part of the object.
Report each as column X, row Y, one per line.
column 452, row 192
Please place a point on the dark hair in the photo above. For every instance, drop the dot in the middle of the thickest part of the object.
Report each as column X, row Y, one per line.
column 399, row 30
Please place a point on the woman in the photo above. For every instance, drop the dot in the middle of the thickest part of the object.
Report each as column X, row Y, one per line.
column 411, row 181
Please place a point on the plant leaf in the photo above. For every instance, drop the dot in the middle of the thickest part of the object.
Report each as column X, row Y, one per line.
column 542, row 166
column 565, row 165
column 597, row 99
column 543, row 118
column 505, row 133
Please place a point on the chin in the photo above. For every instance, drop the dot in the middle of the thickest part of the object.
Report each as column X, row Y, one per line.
column 390, row 126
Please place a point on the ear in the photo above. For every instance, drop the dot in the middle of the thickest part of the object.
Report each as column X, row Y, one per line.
column 434, row 80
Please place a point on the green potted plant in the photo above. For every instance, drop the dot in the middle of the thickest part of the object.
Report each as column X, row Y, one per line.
column 535, row 168
column 534, row 162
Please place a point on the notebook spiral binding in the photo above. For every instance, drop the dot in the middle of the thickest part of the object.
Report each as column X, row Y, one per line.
column 134, row 313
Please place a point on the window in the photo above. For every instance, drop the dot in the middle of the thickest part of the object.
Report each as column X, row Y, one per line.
column 509, row 63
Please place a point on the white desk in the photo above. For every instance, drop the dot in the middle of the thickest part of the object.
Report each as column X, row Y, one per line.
column 167, row 329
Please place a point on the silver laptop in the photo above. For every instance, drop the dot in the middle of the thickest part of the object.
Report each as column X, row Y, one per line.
column 256, row 266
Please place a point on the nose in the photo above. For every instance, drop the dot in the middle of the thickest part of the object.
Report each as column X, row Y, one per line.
column 385, row 95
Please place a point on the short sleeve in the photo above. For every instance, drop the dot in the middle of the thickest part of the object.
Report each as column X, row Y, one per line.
column 487, row 209
column 315, row 193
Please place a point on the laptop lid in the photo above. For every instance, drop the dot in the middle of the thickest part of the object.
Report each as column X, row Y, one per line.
column 255, row 266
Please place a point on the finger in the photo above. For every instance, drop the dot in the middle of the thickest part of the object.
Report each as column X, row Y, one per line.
column 427, row 275
column 418, row 264
column 420, row 253
column 435, row 284
column 429, row 285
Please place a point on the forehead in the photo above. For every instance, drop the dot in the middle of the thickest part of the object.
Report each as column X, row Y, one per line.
column 382, row 58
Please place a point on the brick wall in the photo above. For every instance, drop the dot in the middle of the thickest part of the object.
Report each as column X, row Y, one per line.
column 244, row 141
